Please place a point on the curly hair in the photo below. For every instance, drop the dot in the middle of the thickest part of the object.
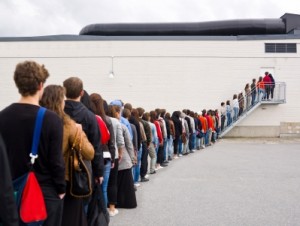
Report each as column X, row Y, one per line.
column 28, row 76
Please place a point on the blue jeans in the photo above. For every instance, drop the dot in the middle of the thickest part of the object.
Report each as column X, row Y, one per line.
column 253, row 101
column 229, row 119
column 106, row 172
column 170, row 149
column 207, row 141
column 165, row 149
column 236, row 113
column 194, row 141
column 137, row 167
column 198, row 142
column 180, row 146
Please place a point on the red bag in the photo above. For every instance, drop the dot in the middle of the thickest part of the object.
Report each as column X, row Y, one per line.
column 32, row 206
column 105, row 135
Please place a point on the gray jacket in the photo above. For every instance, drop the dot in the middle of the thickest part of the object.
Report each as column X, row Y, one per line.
column 119, row 138
column 128, row 156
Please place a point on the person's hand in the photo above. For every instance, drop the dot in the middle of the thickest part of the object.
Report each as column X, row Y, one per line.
column 120, row 158
column 99, row 180
column 112, row 165
column 61, row 196
column 79, row 126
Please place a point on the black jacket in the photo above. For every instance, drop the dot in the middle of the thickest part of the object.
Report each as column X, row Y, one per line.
column 80, row 114
column 135, row 122
column 8, row 209
column 177, row 124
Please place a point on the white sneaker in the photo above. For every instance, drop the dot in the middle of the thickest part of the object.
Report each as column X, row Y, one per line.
column 159, row 167
column 147, row 176
column 113, row 213
column 136, row 185
column 180, row 155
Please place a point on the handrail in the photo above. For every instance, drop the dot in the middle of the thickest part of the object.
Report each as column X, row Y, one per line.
column 277, row 95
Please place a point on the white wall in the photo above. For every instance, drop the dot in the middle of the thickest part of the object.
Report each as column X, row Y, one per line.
column 169, row 74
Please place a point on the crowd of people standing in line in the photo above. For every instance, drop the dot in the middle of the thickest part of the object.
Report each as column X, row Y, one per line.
column 263, row 89
column 119, row 163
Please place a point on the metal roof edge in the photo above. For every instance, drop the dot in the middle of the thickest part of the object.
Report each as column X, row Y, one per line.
column 147, row 38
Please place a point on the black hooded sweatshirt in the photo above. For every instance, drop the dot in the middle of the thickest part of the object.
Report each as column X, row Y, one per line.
column 80, row 114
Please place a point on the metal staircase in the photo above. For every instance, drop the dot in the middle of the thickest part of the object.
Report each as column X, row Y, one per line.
column 279, row 97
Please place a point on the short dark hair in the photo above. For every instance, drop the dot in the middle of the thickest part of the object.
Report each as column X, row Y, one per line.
column 28, row 76
column 128, row 106
column 73, row 86
column 126, row 113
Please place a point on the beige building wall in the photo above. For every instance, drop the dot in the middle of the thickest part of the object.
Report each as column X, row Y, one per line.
column 173, row 74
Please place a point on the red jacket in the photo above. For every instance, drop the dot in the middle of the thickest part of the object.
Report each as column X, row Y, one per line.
column 158, row 130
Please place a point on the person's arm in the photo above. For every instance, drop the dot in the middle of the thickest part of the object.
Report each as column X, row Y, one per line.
column 87, row 149
column 120, row 139
column 158, row 131
column 8, row 209
column 95, row 137
column 111, row 142
column 129, row 146
column 54, row 155
column 147, row 132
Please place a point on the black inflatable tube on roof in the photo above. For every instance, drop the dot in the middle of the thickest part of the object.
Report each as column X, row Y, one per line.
column 213, row 28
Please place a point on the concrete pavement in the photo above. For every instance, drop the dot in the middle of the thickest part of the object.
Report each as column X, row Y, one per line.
column 235, row 182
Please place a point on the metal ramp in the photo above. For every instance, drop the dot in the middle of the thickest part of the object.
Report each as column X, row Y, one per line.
column 279, row 97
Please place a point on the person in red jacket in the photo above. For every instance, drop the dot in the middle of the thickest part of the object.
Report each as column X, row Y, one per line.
column 267, row 81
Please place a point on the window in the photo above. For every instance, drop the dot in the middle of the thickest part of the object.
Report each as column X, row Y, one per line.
column 280, row 48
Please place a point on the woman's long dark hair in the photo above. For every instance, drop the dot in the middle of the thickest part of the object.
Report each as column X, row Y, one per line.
column 97, row 105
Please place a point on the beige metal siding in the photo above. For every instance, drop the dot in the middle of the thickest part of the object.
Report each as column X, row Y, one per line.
column 169, row 74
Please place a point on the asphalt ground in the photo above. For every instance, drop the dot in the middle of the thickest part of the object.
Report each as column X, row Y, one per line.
column 234, row 182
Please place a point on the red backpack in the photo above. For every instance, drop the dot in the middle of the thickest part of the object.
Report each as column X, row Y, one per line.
column 105, row 135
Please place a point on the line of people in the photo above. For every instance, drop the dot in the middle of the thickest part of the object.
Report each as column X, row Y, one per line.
column 263, row 89
column 116, row 141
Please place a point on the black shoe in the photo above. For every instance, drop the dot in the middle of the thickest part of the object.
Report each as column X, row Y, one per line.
column 164, row 164
column 144, row 179
column 153, row 172
column 169, row 158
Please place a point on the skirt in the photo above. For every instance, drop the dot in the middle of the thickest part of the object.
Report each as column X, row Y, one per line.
column 73, row 213
column 126, row 193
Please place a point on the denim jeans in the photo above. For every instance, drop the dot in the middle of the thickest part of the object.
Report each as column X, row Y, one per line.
column 194, row 141
column 253, row 100
column 207, row 135
column 170, row 149
column 180, row 146
column 236, row 113
column 261, row 94
column 106, row 172
column 165, row 149
column 198, row 143
column 229, row 119
column 137, row 167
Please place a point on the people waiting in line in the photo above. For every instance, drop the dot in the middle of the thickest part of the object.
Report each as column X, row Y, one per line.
column 263, row 90
column 53, row 99
column 267, row 82
column 272, row 86
column 253, row 92
column 118, row 163
column 17, row 123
